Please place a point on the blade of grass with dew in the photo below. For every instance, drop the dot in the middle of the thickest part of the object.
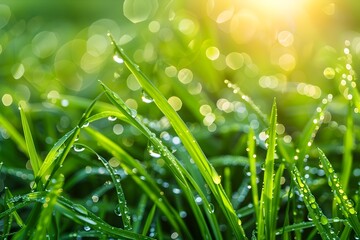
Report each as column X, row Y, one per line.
column 52, row 163
column 248, row 102
column 252, row 165
column 45, row 221
column 346, row 205
column 265, row 220
column 14, row 134
column 34, row 158
column 122, row 208
column 80, row 214
column 320, row 220
column 17, row 217
column 348, row 148
column 151, row 189
column 310, row 131
column 209, row 173
column 304, row 225
column 149, row 220
column 276, row 194
column 175, row 167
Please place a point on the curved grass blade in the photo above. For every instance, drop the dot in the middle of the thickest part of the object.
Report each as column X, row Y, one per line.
column 14, row 134
column 80, row 214
column 346, row 205
column 151, row 189
column 303, row 225
column 177, row 169
column 319, row 219
column 210, row 175
column 266, row 209
column 122, row 208
column 34, row 158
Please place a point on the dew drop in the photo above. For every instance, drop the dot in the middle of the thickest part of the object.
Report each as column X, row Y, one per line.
column 78, row 148
column 324, row 220
column 87, row 228
column 86, row 124
column 211, row 208
column 117, row 58
column 112, row 118
column 217, row 179
column 146, row 97
column 153, row 152
column 117, row 211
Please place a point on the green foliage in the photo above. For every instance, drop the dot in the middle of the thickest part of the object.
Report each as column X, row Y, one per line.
column 178, row 139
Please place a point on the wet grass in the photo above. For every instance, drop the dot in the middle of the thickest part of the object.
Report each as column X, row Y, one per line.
column 177, row 192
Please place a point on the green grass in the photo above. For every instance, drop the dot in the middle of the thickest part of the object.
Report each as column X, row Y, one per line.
column 162, row 147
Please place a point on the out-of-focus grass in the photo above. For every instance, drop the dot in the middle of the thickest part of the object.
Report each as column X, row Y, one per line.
column 184, row 141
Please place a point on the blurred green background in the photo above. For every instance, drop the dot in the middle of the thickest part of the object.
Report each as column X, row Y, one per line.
column 291, row 50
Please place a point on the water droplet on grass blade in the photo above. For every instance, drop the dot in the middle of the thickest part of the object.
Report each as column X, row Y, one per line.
column 78, row 148
column 153, row 152
column 117, row 211
column 211, row 208
column 146, row 97
column 112, row 118
column 216, row 179
column 117, row 58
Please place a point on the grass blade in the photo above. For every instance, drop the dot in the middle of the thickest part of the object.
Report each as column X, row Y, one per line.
column 208, row 172
column 10, row 204
column 265, row 221
column 122, row 208
column 80, row 214
column 253, row 176
column 14, row 134
column 149, row 219
column 346, row 205
column 34, row 158
column 309, row 132
column 319, row 219
column 45, row 220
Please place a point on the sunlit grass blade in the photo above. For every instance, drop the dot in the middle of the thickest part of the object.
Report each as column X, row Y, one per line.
column 265, row 221
column 14, row 134
column 248, row 102
column 346, row 205
column 253, row 175
column 348, row 148
column 210, row 175
column 80, row 214
column 34, row 158
column 315, row 213
column 309, row 132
